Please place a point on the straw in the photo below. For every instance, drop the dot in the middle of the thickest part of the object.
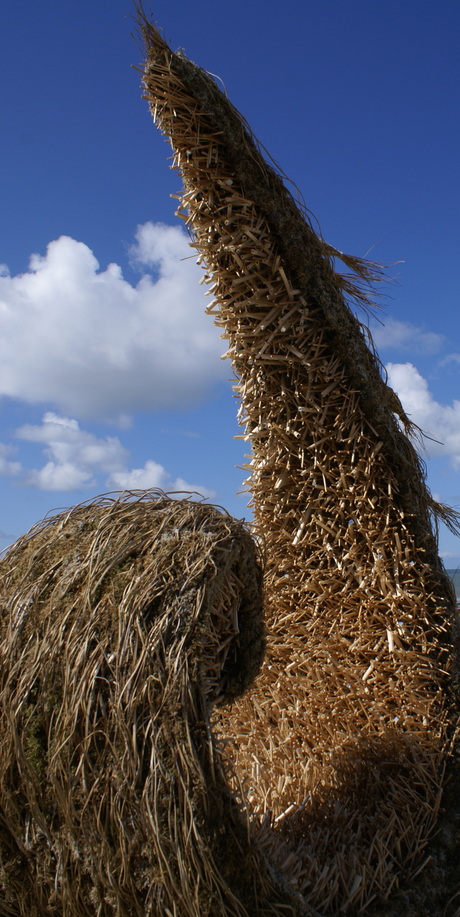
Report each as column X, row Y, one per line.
column 340, row 744
column 124, row 622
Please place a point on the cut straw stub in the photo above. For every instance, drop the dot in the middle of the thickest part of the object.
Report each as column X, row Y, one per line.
column 351, row 710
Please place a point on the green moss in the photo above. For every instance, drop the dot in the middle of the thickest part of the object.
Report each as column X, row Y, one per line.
column 34, row 738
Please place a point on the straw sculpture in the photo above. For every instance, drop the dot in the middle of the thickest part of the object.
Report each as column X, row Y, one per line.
column 340, row 745
column 123, row 622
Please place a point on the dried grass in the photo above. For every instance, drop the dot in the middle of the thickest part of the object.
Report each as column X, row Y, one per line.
column 341, row 743
column 144, row 768
column 123, row 622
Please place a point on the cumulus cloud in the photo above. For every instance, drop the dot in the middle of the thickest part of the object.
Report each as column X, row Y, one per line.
column 76, row 459
column 439, row 421
column 89, row 343
column 154, row 475
column 74, row 456
column 405, row 336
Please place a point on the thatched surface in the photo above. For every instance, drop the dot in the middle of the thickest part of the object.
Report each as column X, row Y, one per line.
column 122, row 622
column 343, row 740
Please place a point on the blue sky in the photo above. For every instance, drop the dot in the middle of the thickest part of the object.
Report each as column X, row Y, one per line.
column 110, row 373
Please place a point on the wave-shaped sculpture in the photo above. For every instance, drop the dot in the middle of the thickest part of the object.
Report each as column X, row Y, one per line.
column 341, row 743
column 153, row 761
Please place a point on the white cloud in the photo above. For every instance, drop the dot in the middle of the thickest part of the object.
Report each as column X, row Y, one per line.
column 74, row 455
column 405, row 336
column 439, row 421
column 8, row 467
column 76, row 458
column 90, row 343
column 153, row 475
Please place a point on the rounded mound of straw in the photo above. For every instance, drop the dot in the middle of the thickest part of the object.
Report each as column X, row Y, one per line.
column 122, row 622
column 126, row 625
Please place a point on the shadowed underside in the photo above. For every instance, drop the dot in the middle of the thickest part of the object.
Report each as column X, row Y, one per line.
column 340, row 745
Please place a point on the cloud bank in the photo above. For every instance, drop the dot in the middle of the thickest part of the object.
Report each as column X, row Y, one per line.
column 439, row 421
column 154, row 475
column 74, row 456
column 75, row 459
column 91, row 344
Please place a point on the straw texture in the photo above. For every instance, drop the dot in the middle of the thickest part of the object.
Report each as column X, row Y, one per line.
column 340, row 745
column 123, row 622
